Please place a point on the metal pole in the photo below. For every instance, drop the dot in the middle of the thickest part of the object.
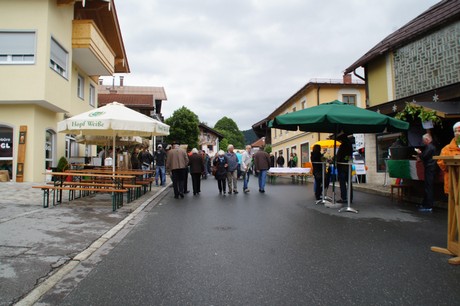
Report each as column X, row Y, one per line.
column 324, row 197
column 348, row 207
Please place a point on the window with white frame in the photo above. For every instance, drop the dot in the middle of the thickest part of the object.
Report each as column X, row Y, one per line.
column 92, row 95
column 303, row 104
column 49, row 149
column 81, row 87
column 58, row 58
column 349, row 99
column 17, row 47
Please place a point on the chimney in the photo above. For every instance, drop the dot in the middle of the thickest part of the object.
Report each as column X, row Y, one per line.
column 347, row 78
column 101, row 81
column 121, row 80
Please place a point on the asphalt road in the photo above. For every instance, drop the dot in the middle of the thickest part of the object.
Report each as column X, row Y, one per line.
column 277, row 248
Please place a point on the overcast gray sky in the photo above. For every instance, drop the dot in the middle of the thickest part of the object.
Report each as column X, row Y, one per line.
column 243, row 58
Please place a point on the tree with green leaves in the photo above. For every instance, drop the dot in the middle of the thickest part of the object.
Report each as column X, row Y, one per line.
column 183, row 127
column 232, row 135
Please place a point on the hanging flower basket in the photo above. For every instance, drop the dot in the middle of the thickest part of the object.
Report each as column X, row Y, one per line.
column 427, row 117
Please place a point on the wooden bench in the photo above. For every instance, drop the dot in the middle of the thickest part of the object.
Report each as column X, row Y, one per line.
column 134, row 190
column 117, row 194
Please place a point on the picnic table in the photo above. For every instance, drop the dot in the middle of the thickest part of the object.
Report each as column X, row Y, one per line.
column 295, row 172
column 62, row 182
column 142, row 177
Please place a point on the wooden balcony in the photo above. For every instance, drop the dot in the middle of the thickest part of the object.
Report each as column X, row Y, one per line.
column 90, row 50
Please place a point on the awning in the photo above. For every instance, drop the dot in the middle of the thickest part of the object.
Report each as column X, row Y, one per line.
column 443, row 109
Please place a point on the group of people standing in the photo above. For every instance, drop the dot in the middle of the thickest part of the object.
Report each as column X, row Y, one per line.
column 343, row 157
column 141, row 158
column 292, row 162
column 225, row 168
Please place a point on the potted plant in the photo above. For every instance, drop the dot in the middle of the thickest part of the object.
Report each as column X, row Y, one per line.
column 427, row 117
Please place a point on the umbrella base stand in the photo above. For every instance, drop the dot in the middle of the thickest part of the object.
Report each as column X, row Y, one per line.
column 348, row 209
column 332, row 205
column 325, row 200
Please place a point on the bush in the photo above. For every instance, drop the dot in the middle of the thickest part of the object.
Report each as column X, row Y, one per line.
column 62, row 164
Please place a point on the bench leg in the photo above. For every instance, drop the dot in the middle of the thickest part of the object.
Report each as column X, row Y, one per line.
column 120, row 197
column 46, row 198
column 59, row 196
column 114, row 202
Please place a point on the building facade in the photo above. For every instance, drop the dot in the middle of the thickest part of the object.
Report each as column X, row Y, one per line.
column 315, row 92
column 52, row 53
column 209, row 139
column 417, row 64
column 147, row 100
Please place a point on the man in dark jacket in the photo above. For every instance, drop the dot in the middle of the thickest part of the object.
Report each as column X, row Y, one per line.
column 196, row 164
column 145, row 158
column 280, row 160
column 426, row 156
column 344, row 155
column 262, row 164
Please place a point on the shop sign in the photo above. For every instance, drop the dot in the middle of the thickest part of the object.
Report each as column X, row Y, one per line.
column 359, row 141
column 6, row 143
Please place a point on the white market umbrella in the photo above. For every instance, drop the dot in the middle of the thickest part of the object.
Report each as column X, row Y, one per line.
column 113, row 119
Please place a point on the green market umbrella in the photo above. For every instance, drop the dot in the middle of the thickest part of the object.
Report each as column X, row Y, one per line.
column 336, row 117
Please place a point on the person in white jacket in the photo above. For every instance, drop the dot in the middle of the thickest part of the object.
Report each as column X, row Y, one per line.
column 246, row 163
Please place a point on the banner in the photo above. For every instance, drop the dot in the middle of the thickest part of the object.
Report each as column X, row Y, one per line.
column 6, row 142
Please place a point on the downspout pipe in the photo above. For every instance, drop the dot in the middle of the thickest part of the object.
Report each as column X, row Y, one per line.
column 367, row 88
column 358, row 76
column 317, row 103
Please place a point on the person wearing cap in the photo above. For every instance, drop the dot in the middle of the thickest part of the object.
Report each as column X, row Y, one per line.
column 452, row 149
column 160, row 161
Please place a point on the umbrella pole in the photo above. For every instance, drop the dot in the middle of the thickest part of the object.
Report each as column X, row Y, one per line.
column 333, row 204
column 348, row 207
column 335, row 163
column 324, row 197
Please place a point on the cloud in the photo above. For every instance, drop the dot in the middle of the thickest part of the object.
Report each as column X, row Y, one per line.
column 243, row 58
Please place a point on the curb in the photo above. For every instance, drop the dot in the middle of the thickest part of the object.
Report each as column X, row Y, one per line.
column 36, row 293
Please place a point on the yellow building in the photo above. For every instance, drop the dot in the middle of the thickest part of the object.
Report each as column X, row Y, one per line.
column 315, row 92
column 52, row 53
